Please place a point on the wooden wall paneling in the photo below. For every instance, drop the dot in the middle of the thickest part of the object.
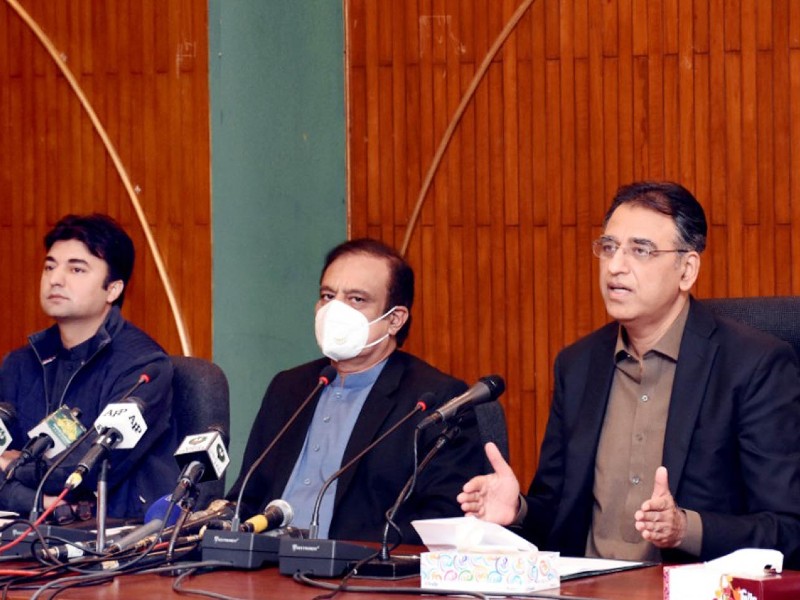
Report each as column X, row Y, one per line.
column 625, row 105
column 794, row 159
column 762, row 169
column 684, row 92
column 402, row 202
column 59, row 164
column 528, row 445
column 794, row 24
column 779, row 111
column 749, row 132
column 513, row 304
column 733, row 155
column 751, row 246
column 655, row 133
column 566, row 94
column 783, row 253
column 671, row 120
column 585, row 96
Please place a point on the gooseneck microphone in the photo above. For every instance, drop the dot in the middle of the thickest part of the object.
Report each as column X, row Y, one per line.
column 313, row 528
column 446, row 436
column 486, row 389
column 203, row 457
column 150, row 372
column 326, row 375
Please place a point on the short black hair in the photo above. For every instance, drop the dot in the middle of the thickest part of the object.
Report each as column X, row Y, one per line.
column 401, row 275
column 104, row 238
column 671, row 199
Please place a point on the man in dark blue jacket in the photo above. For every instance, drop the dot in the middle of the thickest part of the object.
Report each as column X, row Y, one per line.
column 91, row 357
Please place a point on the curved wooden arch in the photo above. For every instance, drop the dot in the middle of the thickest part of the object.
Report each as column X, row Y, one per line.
column 186, row 346
column 462, row 107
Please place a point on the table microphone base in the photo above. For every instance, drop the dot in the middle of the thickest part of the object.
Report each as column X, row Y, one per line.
column 243, row 550
column 23, row 549
column 323, row 558
column 400, row 566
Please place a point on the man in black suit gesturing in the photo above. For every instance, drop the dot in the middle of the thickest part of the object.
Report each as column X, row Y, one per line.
column 673, row 434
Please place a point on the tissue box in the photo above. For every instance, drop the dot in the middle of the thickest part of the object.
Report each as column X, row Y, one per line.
column 489, row 571
column 785, row 586
column 712, row 580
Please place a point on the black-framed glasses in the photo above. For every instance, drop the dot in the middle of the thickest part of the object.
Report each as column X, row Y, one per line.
column 607, row 248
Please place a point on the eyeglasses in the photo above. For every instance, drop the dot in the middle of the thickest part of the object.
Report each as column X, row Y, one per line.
column 605, row 248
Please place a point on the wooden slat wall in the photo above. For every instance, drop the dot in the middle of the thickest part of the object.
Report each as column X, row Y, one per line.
column 143, row 65
column 586, row 95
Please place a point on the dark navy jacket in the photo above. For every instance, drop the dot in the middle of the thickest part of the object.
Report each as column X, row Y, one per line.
column 118, row 354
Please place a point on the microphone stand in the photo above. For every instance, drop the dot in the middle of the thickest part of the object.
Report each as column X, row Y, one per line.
column 72, row 535
column 325, row 557
column 244, row 550
column 397, row 567
column 313, row 529
column 102, row 504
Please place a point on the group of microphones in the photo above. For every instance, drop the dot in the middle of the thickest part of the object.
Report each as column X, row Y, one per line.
column 218, row 529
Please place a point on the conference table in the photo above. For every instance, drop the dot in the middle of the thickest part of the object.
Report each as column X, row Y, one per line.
column 639, row 584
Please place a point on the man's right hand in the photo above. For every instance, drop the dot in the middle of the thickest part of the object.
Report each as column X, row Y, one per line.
column 493, row 497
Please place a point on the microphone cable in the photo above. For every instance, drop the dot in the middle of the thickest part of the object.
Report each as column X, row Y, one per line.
column 56, row 463
column 36, row 523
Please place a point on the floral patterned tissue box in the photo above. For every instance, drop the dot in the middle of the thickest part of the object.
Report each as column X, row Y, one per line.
column 489, row 570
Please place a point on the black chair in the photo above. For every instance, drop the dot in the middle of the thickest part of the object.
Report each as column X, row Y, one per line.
column 200, row 400
column 492, row 425
column 778, row 315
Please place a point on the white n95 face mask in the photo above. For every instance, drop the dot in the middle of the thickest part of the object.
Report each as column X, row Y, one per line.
column 342, row 331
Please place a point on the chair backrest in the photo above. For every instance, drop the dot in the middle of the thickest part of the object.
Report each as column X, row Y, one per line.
column 778, row 315
column 492, row 425
column 200, row 400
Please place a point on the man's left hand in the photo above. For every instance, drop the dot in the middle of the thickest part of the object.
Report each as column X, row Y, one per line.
column 659, row 520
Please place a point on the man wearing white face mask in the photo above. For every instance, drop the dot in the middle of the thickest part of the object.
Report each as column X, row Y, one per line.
column 362, row 317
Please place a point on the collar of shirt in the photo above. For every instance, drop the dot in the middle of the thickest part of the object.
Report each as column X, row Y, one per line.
column 669, row 345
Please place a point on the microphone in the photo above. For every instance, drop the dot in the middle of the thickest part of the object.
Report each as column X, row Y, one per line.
column 329, row 558
column 326, row 375
column 134, row 539
column 217, row 509
column 314, row 527
column 54, row 434
column 61, row 428
column 243, row 549
column 64, row 552
column 488, row 388
column 203, row 458
column 121, row 426
column 8, row 414
column 277, row 513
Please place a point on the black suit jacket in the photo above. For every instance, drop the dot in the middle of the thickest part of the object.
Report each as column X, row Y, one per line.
column 731, row 447
column 366, row 491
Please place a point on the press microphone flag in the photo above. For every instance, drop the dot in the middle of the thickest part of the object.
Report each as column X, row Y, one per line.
column 486, row 389
column 206, row 448
column 57, row 432
column 120, row 426
column 7, row 414
column 202, row 457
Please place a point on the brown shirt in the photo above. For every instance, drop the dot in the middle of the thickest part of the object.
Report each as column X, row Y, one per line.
column 631, row 445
